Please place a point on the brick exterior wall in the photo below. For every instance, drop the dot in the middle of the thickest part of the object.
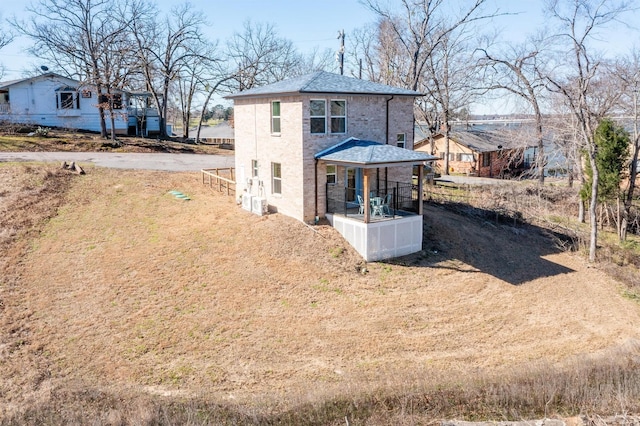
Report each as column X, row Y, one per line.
column 295, row 147
column 500, row 164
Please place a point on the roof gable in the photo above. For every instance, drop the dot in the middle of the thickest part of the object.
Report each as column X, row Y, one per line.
column 324, row 82
column 49, row 75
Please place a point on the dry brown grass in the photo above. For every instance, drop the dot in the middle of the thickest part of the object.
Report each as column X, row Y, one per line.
column 130, row 306
column 17, row 138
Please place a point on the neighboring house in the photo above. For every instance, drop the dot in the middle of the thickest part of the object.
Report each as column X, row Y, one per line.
column 326, row 145
column 52, row 100
column 490, row 153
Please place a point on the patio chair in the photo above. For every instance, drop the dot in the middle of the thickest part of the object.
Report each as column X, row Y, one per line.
column 377, row 206
column 386, row 205
column 360, row 204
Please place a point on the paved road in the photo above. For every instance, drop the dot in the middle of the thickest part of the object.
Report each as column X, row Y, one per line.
column 166, row 162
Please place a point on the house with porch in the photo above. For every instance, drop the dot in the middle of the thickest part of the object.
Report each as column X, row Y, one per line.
column 52, row 100
column 329, row 146
column 484, row 153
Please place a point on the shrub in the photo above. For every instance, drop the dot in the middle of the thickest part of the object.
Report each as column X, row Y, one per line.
column 42, row 132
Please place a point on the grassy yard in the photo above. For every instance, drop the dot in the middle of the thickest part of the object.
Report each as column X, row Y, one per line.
column 122, row 304
column 62, row 140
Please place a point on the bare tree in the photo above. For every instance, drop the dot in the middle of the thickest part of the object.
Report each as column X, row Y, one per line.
column 583, row 79
column 72, row 35
column 449, row 83
column 193, row 79
column 166, row 48
column 6, row 37
column 419, row 44
column 419, row 26
column 518, row 72
column 316, row 60
column 362, row 56
column 212, row 86
column 260, row 56
column 118, row 60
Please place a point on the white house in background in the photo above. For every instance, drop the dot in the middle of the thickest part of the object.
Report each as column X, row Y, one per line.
column 326, row 145
column 52, row 100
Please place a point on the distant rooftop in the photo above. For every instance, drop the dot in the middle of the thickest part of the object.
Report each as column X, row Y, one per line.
column 324, row 82
column 488, row 140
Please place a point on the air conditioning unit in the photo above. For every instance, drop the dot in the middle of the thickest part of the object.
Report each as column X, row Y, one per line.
column 246, row 201
column 259, row 206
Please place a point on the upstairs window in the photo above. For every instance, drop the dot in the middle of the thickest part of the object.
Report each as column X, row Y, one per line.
column 275, row 117
column 401, row 138
column 318, row 116
column 338, row 116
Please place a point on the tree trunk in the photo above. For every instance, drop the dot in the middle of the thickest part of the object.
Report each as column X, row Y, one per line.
column 593, row 219
column 204, row 108
column 446, row 145
column 581, row 211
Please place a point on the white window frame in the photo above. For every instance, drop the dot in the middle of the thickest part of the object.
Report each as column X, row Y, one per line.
column 75, row 100
column 401, row 140
column 334, row 174
column 254, row 168
column 467, row 157
column 276, row 181
column 343, row 117
column 276, row 117
column 316, row 117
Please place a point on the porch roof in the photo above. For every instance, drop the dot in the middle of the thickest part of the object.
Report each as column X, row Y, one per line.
column 370, row 154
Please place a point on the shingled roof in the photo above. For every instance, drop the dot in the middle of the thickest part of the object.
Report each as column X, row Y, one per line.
column 484, row 140
column 324, row 82
column 488, row 140
column 365, row 153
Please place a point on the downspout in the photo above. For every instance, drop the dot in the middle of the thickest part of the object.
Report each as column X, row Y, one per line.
column 315, row 174
column 387, row 124
column 386, row 135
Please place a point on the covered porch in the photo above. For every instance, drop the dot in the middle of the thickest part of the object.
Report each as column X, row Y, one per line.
column 372, row 196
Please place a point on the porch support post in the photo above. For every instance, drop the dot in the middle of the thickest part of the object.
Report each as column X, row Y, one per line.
column 420, row 200
column 365, row 195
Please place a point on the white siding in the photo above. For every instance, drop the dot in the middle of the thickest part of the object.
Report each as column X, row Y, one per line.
column 34, row 102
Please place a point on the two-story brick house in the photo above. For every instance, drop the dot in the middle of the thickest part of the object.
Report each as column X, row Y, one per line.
column 324, row 145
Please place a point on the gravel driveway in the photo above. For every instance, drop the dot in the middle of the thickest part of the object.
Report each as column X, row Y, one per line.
column 153, row 161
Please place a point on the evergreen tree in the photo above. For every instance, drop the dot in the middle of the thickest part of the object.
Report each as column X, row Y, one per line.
column 612, row 142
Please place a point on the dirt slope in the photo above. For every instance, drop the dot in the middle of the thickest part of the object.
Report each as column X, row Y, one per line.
column 130, row 287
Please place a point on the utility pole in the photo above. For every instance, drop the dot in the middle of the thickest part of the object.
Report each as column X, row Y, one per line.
column 340, row 54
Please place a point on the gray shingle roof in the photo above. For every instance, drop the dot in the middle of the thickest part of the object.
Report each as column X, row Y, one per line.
column 370, row 153
column 487, row 141
column 482, row 140
column 324, row 82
